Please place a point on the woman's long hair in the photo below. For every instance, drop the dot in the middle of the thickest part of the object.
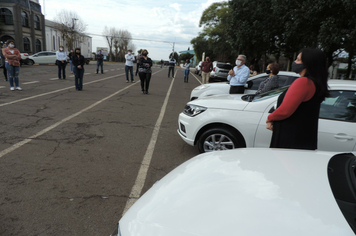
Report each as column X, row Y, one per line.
column 314, row 61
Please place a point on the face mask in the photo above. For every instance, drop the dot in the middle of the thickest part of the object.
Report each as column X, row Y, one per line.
column 268, row 72
column 11, row 45
column 238, row 62
column 144, row 54
column 129, row 53
column 78, row 53
column 297, row 68
column 61, row 49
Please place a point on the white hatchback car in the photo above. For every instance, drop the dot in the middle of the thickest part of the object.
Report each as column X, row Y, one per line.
column 42, row 58
column 250, row 192
column 223, row 122
column 285, row 78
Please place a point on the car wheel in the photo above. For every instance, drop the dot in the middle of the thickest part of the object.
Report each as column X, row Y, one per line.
column 30, row 62
column 218, row 139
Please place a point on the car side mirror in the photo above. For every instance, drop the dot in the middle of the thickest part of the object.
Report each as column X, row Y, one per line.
column 273, row 108
column 249, row 84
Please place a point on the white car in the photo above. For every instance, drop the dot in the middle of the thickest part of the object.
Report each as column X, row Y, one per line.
column 223, row 122
column 250, row 192
column 198, row 69
column 285, row 78
column 42, row 58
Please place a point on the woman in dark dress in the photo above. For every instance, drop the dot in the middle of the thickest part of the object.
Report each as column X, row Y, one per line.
column 145, row 71
column 295, row 121
column 78, row 69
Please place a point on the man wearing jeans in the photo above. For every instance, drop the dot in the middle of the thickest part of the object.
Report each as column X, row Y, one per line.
column 206, row 68
column 172, row 64
column 99, row 62
column 129, row 65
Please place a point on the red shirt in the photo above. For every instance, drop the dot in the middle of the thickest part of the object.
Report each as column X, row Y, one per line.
column 207, row 66
column 301, row 90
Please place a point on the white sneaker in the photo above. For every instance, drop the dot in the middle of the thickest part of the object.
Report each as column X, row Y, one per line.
column 18, row 88
column 12, row 88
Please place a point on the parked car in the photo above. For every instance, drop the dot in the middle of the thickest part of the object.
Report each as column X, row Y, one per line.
column 254, row 192
column 220, row 71
column 285, row 78
column 222, row 122
column 42, row 58
column 24, row 59
column 198, row 69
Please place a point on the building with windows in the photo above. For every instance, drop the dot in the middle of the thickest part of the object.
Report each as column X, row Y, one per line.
column 23, row 21
column 54, row 39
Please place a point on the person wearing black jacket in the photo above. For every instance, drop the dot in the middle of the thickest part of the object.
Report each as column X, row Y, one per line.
column 78, row 68
column 145, row 71
column 99, row 62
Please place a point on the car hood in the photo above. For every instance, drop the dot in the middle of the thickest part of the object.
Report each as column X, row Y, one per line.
column 223, row 101
column 270, row 192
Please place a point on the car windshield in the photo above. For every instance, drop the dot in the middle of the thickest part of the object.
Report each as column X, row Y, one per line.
column 263, row 96
column 224, row 66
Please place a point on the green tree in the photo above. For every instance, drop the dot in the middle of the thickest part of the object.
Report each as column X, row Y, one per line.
column 185, row 56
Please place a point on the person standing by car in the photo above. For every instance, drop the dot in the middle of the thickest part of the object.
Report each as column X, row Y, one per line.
column 145, row 73
column 3, row 61
column 252, row 71
column 295, row 121
column 129, row 65
column 61, row 62
column 238, row 76
column 13, row 57
column 206, row 68
column 186, row 71
column 272, row 82
column 99, row 62
column 171, row 65
column 78, row 69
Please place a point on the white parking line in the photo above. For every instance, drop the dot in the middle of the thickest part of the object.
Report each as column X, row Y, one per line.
column 2, row 86
column 44, row 94
column 87, row 73
column 32, row 82
column 112, row 69
column 53, row 79
column 29, row 139
column 145, row 164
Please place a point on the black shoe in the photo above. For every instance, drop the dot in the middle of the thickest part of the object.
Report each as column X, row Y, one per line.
column 96, row 73
column 143, row 91
column 146, row 92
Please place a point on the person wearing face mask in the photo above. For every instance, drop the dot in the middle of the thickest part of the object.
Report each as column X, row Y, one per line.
column 99, row 62
column 295, row 121
column 78, row 69
column 13, row 57
column 129, row 65
column 61, row 62
column 272, row 82
column 145, row 71
column 238, row 76
column 186, row 70
column 206, row 67
column 171, row 65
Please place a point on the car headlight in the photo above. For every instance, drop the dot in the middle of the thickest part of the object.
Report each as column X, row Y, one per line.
column 193, row 110
column 201, row 87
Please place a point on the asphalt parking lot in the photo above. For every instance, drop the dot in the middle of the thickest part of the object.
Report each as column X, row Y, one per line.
column 72, row 161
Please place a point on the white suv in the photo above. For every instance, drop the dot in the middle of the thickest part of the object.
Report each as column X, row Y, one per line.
column 220, row 71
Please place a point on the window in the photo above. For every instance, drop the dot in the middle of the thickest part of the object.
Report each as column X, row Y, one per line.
column 54, row 43
column 26, row 45
column 37, row 22
column 341, row 105
column 59, row 41
column 38, row 45
column 24, row 19
column 6, row 16
column 255, row 83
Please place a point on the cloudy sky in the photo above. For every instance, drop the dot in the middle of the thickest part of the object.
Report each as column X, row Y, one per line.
column 158, row 20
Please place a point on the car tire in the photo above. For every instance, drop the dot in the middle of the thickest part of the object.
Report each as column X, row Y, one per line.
column 30, row 62
column 224, row 140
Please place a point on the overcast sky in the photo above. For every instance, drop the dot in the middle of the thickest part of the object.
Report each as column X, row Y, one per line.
column 171, row 21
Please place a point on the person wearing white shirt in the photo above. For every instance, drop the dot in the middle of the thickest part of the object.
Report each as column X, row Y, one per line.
column 238, row 76
column 129, row 65
column 61, row 62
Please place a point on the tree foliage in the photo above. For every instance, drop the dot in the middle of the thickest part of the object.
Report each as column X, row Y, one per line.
column 71, row 27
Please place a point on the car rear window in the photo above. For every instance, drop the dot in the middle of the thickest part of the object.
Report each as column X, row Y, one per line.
column 224, row 66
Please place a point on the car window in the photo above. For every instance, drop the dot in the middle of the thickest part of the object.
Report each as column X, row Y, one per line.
column 51, row 54
column 285, row 80
column 42, row 54
column 341, row 105
column 224, row 66
column 256, row 82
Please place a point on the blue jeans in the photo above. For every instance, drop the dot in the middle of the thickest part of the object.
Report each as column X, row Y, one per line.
column 186, row 75
column 171, row 68
column 127, row 69
column 78, row 74
column 99, row 63
column 71, row 65
column 13, row 72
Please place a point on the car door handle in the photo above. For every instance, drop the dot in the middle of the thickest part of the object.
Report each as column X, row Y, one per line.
column 343, row 136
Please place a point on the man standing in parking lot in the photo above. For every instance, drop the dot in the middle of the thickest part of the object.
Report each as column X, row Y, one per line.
column 172, row 64
column 238, row 76
column 206, row 68
column 99, row 62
